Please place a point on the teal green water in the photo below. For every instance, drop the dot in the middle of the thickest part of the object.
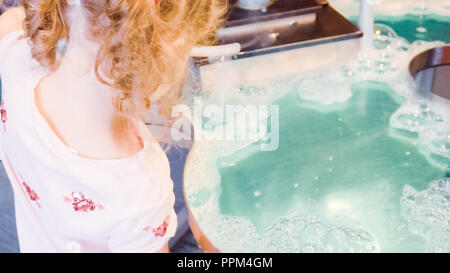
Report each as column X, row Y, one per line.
column 341, row 164
column 412, row 27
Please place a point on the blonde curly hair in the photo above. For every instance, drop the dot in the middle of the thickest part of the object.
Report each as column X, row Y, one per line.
column 144, row 44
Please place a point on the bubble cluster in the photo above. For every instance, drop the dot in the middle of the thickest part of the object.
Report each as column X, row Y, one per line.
column 252, row 90
column 387, row 62
column 236, row 234
column 308, row 89
column 428, row 126
column 293, row 233
column 428, row 213
column 300, row 233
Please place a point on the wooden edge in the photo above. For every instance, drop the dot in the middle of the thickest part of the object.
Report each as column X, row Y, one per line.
column 204, row 243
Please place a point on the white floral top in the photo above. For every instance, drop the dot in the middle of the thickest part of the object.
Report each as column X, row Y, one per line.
column 68, row 203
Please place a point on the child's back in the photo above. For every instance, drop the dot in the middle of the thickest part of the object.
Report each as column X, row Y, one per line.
column 66, row 200
column 87, row 175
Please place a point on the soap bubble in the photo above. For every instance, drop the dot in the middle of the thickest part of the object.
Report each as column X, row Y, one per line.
column 427, row 126
column 384, row 30
column 300, row 233
column 428, row 213
column 252, row 90
column 384, row 36
column 323, row 89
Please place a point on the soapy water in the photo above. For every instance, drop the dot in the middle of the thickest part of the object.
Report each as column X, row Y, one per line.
column 395, row 7
column 353, row 175
column 310, row 234
column 414, row 28
column 340, row 165
column 413, row 19
column 427, row 212
column 313, row 234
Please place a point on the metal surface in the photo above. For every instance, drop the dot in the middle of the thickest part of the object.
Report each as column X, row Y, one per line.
column 328, row 26
column 284, row 25
column 431, row 70
column 276, row 10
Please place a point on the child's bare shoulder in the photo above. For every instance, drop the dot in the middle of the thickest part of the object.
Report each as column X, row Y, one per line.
column 11, row 20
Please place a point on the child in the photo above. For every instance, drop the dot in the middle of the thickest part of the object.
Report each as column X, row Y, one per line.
column 86, row 173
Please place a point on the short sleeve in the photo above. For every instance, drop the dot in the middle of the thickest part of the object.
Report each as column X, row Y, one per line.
column 6, row 43
column 144, row 233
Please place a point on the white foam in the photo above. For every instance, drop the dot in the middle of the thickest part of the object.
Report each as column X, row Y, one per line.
column 388, row 62
column 428, row 213
column 293, row 232
column 426, row 124
column 301, row 233
column 330, row 90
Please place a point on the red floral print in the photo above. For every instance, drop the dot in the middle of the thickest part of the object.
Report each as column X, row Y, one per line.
column 147, row 229
column 161, row 230
column 4, row 116
column 81, row 203
column 31, row 193
column 3, row 112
